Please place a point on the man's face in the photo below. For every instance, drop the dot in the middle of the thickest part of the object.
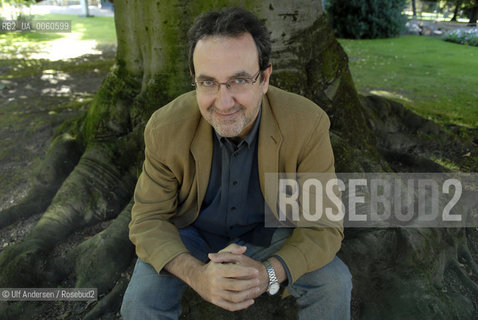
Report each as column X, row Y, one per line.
column 221, row 59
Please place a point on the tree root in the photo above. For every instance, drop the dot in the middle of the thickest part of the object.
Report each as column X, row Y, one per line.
column 99, row 261
column 400, row 160
column 110, row 303
column 60, row 160
column 463, row 276
column 465, row 253
column 18, row 268
column 95, row 191
column 402, row 133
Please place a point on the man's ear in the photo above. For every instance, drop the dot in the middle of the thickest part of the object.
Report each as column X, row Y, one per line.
column 266, row 74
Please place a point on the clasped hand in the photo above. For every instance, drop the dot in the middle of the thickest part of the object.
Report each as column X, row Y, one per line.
column 232, row 280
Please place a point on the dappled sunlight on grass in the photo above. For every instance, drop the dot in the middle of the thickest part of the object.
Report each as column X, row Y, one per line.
column 23, row 45
column 86, row 35
column 390, row 95
column 100, row 29
column 54, row 78
column 445, row 163
column 53, row 50
column 58, row 92
column 66, row 49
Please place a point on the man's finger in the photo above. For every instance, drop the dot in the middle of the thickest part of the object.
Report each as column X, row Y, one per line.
column 236, row 271
column 238, row 297
column 241, row 285
column 234, row 248
column 225, row 257
column 233, row 306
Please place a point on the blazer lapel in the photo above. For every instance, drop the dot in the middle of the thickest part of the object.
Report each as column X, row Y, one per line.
column 201, row 149
column 270, row 140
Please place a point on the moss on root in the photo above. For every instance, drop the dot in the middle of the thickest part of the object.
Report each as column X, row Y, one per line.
column 109, row 253
column 60, row 160
column 405, row 269
column 110, row 304
column 410, row 142
column 326, row 80
column 108, row 116
column 95, row 191
column 351, row 159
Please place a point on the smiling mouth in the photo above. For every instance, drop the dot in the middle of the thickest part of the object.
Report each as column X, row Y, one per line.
column 227, row 116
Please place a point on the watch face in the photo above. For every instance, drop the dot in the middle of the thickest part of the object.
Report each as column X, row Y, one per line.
column 274, row 288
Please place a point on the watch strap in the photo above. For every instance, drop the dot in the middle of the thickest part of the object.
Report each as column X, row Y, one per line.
column 271, row 272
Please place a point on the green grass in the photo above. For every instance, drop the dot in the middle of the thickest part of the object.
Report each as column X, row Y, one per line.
column 434, row 78
column 100, row 29
column 25, row 54
column 95, row 30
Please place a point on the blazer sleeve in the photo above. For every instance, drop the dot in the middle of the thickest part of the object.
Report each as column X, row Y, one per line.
column 156, row 239
column 312, row 247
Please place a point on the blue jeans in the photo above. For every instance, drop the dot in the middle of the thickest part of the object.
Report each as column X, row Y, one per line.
column 322, row 294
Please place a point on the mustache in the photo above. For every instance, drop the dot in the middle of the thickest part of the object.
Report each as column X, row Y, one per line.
column 236, row 108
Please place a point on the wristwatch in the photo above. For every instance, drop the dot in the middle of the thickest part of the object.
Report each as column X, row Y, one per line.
column 274, row 285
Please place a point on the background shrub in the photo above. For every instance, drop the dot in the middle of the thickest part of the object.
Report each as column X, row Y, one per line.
column 467, row 37
column 366, row 19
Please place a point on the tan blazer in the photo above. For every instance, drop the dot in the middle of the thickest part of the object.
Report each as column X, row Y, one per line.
column 293, row 137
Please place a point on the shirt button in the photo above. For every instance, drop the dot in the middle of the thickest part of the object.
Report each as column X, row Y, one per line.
column 233, row 208
column 234, row 183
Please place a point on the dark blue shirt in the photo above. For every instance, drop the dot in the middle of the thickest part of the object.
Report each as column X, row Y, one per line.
column 233, row 207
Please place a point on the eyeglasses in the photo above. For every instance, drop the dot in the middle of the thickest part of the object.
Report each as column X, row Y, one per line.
column 234, row 85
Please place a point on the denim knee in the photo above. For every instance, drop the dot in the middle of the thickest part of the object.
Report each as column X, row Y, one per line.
column 334, row 275
column 325, row 292
column 339, row 278
column 152, row 296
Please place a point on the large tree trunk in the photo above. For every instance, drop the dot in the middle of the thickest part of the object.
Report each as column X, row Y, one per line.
column 398, row 274
column 455, row 12
column 474, row 14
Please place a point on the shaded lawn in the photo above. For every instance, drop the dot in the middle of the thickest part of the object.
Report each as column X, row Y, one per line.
column 434, row 78
column 26, row 54
column 100, row 29
column 95, row 30
column 38, row 94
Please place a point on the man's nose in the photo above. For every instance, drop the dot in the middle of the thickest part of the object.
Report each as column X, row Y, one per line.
column 225, row 99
